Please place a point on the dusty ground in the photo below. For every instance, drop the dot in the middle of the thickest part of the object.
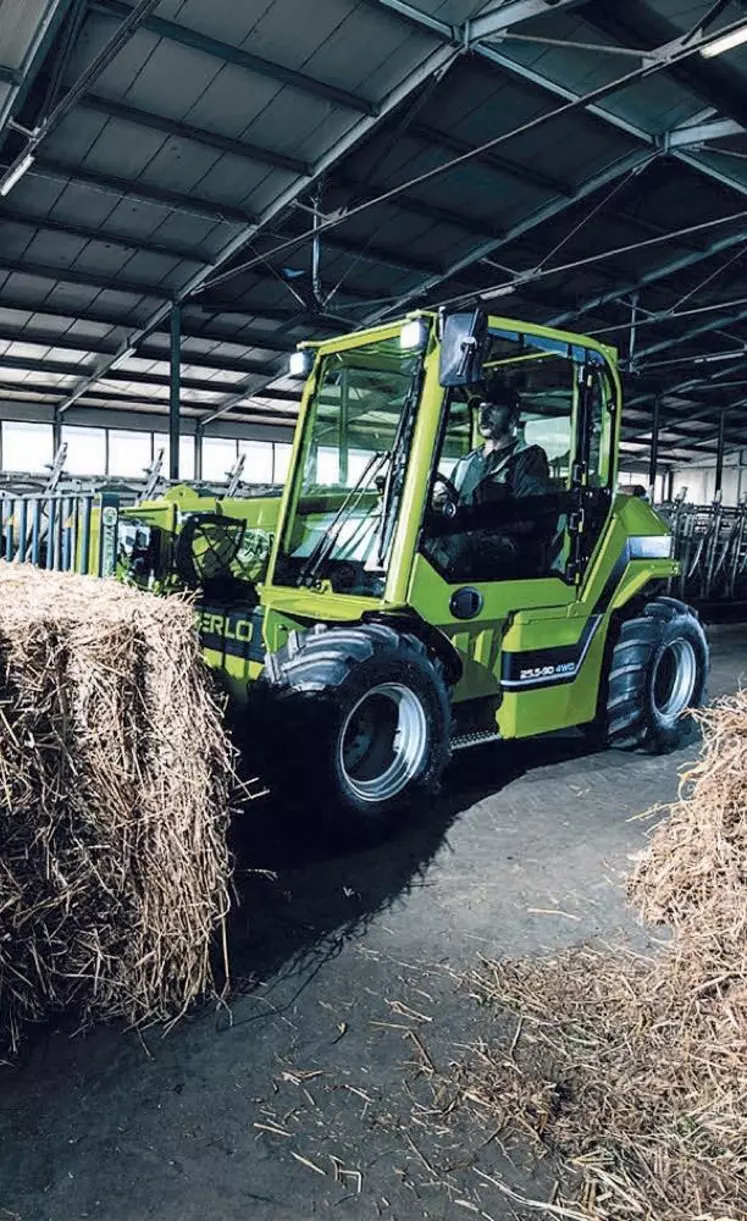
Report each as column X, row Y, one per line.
column 305, row 1100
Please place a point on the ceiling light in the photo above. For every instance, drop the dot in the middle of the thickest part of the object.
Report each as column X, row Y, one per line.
column 15, row 173
column 735, row 39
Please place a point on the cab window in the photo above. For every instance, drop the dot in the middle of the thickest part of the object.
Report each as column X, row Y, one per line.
column 503, row 482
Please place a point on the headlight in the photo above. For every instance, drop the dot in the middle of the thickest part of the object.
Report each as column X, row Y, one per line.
column 413, row 335
column 300, row 363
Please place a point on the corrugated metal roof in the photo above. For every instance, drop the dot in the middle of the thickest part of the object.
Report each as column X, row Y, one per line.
column 217, row 123
column 19, row 22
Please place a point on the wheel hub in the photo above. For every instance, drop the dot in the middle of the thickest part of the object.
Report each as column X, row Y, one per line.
column 383, row 742
column 674, row 679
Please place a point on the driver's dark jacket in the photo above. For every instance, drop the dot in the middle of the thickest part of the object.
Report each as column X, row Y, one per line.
column 516, row 472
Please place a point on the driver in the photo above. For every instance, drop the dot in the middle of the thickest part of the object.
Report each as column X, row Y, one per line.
column 502, row 465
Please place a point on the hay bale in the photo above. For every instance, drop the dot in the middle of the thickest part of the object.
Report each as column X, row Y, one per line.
column 114, row 779
column 633, row 1071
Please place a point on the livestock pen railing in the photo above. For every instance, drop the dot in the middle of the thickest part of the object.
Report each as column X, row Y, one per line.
column 710, row 542
column 61, row 531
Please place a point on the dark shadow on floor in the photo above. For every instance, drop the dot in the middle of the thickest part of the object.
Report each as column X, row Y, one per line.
column 319, row 893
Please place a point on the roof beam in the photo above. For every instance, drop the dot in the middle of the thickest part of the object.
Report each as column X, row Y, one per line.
column 496, row 20
column 498, row 59
column 43, row 34
column 20, row 389
column 186, row 37
column 670, row 268
column 417, row 207
column 556, row 207
column 711, row 171
column 555, row 88
column 703, row 328
column 379, row 255
column 503, row 165
column 41, row 364
column 249, row 337
column 197, row 135
column 636, row 23
column 43, row 339
column 190, row 204
column 194, row 327
column 609, row 117
column 97, row 316
column 88, row 279
column 164, row 380
column 149, row 350
column 88, row 233
column 701, row 133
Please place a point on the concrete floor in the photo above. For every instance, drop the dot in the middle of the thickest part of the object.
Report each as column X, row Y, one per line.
column 317, row 1065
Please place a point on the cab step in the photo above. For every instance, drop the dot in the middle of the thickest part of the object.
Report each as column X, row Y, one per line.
column 476, row 738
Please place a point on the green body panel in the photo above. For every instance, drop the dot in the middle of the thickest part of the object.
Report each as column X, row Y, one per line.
column 531, row 658
column 258, row 511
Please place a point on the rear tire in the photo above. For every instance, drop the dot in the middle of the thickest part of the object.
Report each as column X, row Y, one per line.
column 658, row 671
column 364, row 716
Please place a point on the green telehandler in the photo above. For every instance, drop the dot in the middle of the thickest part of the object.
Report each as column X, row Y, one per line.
column 448, row 564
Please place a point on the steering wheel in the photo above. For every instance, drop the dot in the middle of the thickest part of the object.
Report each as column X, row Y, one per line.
column 449, row 504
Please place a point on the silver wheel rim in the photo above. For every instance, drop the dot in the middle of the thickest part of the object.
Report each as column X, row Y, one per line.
column 674, row 679
column 383, row 742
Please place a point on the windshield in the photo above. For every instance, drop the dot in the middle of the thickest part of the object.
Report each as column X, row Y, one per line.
column 352, row 468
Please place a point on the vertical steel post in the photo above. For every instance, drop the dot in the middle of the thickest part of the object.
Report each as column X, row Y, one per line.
column 653, row 465
column 51, row 530
column 175, row 391
column 633, row 331
column 22, row 529
column 59, row 525
column 35, row 529
column 66, row 530
column 720, row 452
column 56, row 431
column 85, row 542
column 199, row 438
column 10, row 508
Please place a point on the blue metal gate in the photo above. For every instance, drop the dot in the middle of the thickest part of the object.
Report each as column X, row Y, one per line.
column 61, row 531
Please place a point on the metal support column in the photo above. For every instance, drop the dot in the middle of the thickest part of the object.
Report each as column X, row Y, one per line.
column 720, row 452
column 56, row 431
column 175, row 391
column 653, row 465
column 199, row 437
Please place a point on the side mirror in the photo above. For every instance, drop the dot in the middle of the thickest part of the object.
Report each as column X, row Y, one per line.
column 463, row 339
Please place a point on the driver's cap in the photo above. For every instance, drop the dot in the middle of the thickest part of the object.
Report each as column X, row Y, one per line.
column 497, row 394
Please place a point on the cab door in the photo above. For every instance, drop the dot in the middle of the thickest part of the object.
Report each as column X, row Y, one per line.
column 502, row 578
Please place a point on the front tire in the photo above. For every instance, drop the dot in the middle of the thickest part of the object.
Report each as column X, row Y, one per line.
column 658, row 673
column 364, row 714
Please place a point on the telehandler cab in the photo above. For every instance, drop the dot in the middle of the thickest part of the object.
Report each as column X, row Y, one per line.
column 449, row 563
